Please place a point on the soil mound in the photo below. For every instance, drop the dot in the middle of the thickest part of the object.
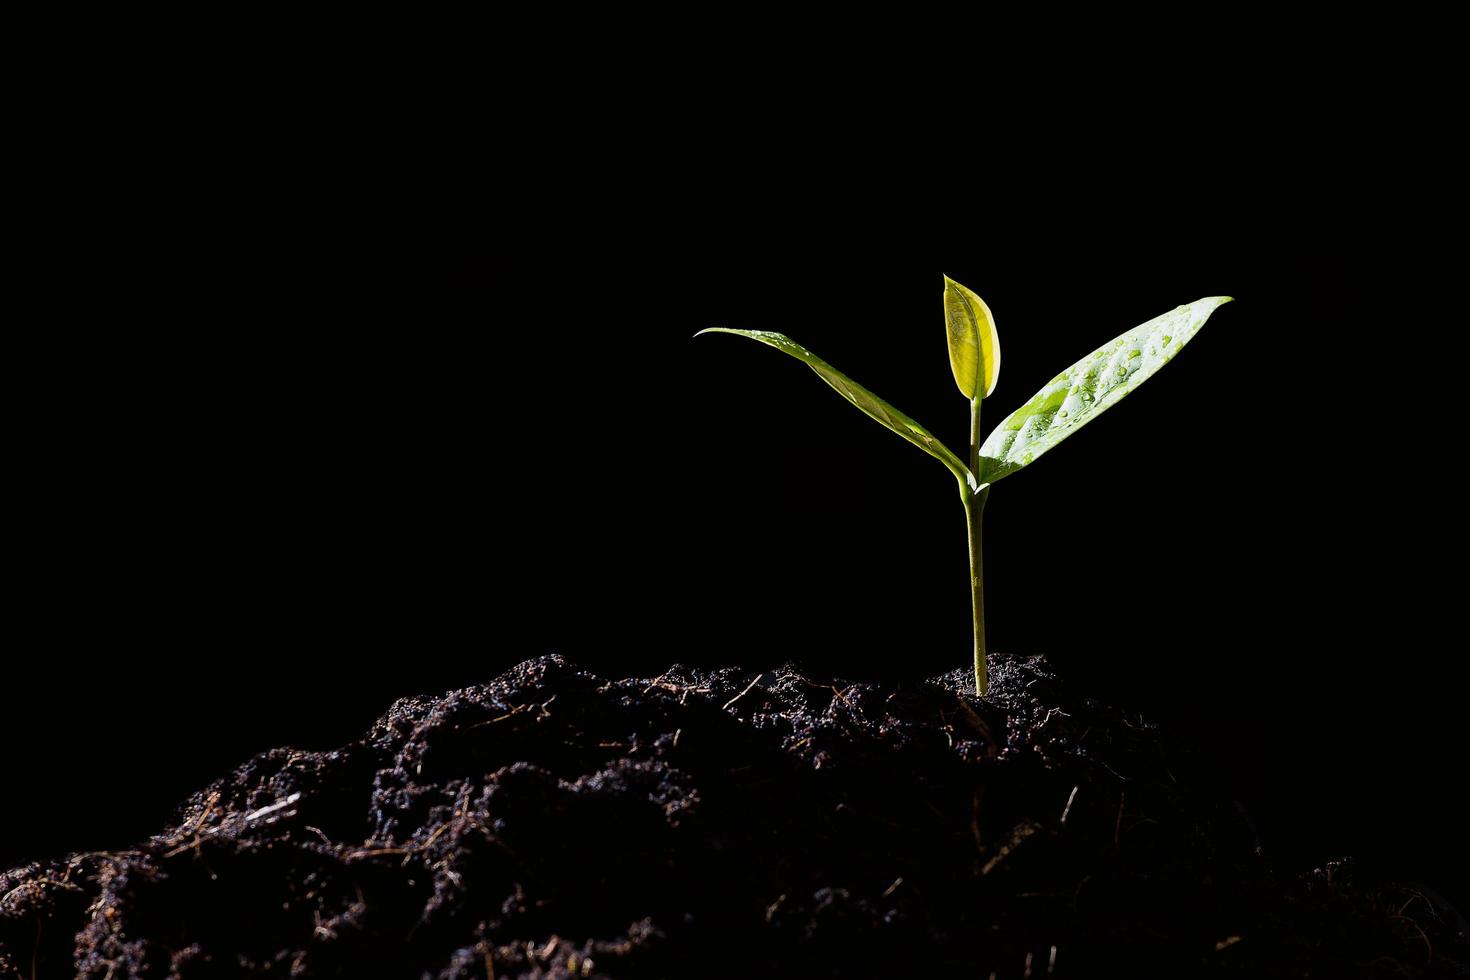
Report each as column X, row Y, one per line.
column 553, row 823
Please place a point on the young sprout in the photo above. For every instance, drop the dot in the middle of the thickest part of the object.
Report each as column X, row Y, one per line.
column 1067, row 402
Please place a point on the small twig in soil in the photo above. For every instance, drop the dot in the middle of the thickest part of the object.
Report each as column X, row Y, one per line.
column 1022, row 830
column 893, row 887
column 318, row 831
column 436, row 834
column 204, row 814
column 1415, row 897
column 197, row 828
column 683, row 692
column 192, row 844
column 268, row 811
column 1054, row 711
column 1067, row 810
column 517, row 710
column 659, row 682
column 35, row 886
column 1428, row 949
column 748, row 688
column 375, row 852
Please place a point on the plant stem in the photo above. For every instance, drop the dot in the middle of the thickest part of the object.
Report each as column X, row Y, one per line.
column 975, row 436
column 974, row 515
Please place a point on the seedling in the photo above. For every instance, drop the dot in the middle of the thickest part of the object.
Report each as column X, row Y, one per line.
column 1067, row 402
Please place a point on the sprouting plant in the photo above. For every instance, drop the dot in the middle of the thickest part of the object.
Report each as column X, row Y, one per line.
column 1067, row 402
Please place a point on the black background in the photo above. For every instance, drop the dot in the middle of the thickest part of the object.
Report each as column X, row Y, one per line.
column 294, row 444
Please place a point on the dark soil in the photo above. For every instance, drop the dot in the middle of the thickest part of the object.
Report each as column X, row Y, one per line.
column 710, row 824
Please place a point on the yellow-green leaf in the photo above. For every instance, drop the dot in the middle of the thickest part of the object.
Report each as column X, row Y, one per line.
column 974, row 345
column 1090, row 387
column 869, row 403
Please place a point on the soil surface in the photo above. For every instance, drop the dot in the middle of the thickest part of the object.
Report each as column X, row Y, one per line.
column 553, row 823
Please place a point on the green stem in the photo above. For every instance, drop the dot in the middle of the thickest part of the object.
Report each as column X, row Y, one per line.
column 975, row 436
column 974, row 515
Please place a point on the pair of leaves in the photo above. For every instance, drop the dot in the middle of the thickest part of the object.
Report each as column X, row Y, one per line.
column 1067, row 402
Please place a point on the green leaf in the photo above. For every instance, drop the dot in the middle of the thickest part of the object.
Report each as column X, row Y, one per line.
column 869, row 403
column 1090, row 387
column 974, row 345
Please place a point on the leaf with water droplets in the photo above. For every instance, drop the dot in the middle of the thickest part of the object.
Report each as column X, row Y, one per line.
column 974, row 345
column 1090, row 387
column 873, row 406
